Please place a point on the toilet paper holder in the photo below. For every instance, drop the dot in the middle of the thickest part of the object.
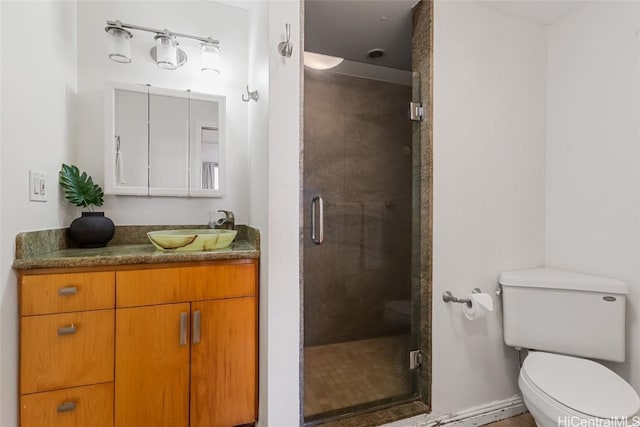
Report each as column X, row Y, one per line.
column 447, row 296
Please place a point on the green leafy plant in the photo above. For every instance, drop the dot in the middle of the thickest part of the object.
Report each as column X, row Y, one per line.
column 80, row 189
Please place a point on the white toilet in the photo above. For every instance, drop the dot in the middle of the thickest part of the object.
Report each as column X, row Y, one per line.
column 398, row 312
column 560, row 317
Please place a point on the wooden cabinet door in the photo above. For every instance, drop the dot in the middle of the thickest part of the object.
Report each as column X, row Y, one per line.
column 223, row 362
column 152, row 366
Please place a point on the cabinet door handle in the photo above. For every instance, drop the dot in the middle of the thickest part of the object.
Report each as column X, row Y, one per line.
column 67, row 407
column 183, row 329
column 67, row 330
column 69, row 290
column 196, row 327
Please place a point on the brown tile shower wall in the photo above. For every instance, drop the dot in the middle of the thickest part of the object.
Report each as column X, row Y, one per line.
column 357, row 156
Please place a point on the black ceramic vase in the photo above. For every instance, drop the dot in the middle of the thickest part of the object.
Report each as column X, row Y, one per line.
column 92, row 230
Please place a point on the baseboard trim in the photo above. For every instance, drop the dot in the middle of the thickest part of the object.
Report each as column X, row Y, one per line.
column 477, row 416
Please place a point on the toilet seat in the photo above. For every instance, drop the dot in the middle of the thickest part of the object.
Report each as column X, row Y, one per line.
column 580, row 385
column 398, row 311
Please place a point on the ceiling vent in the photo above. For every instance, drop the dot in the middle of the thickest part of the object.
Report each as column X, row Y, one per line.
column 376, row 54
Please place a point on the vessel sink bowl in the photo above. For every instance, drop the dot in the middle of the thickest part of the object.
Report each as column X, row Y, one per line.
column 191, row 240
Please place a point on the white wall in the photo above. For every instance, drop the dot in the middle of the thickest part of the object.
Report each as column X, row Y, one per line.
column 283, row 284
column 258, row 135
column 201, row 18
column 274, row 138
column 3, row 374
column 39, row 86
column 593, row 163
column 489, row 152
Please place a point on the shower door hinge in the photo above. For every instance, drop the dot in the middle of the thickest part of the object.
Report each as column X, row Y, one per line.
column 416, row 111
column 415, row 359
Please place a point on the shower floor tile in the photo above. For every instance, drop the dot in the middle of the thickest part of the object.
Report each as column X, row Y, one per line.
column 346, row 374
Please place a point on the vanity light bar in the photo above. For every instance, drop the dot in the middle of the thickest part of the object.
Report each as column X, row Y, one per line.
column 166, row 53
column 120, row 24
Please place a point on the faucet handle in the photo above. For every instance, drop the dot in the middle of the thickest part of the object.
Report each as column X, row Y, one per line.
column 227, row 214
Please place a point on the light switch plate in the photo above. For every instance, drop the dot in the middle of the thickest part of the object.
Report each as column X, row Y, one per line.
column 37, row 186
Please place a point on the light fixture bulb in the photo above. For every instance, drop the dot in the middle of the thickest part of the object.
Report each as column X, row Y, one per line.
column 119, row 45
column 210, row 57
column 166, row 51
column 318, row 61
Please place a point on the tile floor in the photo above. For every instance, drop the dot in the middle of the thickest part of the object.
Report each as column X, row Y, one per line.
column 351, row 373
column 522, row 420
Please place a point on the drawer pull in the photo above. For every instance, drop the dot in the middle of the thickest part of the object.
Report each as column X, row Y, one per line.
column 69, row 290
column 67, row 330
column 183, row 329
column 196, row 327
column 67, row 407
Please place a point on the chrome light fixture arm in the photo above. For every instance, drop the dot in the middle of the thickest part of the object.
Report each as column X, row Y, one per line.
column 122, row 25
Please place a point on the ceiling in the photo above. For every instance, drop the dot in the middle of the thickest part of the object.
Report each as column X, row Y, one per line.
column 350, row 28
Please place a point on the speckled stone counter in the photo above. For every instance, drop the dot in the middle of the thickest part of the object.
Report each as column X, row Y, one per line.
column 53, row 249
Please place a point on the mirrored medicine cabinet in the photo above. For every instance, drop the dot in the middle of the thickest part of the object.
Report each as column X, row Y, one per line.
column 163, row 142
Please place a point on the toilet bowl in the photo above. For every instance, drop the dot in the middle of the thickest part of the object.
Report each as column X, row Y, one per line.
column 565, row 391
column 398, row 312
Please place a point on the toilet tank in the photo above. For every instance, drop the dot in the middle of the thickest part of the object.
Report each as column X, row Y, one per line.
column 564, row 312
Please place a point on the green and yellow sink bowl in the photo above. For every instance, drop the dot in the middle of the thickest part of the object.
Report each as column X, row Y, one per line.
column 191, row 240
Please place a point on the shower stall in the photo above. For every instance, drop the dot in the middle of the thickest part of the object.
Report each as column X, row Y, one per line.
column 357, row 244
column 366, row 222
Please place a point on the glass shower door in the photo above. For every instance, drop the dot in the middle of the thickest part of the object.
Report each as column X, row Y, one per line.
column 359, row 163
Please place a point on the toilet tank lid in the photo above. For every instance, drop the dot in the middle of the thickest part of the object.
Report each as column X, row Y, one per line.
column 559, row 279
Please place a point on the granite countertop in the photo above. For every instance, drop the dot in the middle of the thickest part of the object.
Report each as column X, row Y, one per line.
column 53, row 249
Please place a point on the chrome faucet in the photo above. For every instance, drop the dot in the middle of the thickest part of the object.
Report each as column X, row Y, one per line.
column 228, row 222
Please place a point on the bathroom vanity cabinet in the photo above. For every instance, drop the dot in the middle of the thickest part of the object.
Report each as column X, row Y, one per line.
column 159, row 345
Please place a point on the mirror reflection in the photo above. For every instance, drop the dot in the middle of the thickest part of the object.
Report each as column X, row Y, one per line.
column 164, row 142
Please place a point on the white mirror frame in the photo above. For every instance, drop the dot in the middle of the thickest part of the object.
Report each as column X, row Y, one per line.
column 111, row 186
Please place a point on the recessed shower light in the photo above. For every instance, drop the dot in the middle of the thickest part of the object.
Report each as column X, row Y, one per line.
column 376, row 54
column 321, row 62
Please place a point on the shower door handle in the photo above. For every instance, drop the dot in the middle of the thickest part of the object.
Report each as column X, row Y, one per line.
column 317, row 220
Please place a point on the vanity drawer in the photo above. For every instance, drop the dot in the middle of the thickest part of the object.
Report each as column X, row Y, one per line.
column 66, row 350
column 73, row 407
column 62, row 293
column 169, row 285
